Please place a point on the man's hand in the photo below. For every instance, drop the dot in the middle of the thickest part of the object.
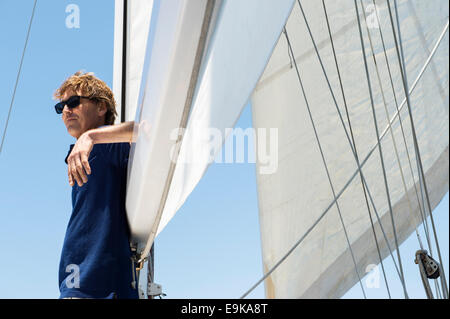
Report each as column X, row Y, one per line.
column 78, row 164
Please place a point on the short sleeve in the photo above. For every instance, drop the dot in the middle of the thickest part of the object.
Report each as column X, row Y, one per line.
column 125, row 154
column 68, row 153
column 118, row 153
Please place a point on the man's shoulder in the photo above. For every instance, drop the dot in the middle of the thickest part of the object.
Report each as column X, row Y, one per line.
column 114, row 147
column 116, row 152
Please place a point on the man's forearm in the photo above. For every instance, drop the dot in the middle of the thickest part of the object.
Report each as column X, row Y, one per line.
column 119, row 133
column 77, row 161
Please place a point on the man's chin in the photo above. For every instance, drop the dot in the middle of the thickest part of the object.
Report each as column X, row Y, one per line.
column 74, row 132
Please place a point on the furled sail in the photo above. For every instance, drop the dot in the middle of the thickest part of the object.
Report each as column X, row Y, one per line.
column 297, row 203
column 202, row 62
column 173, row 46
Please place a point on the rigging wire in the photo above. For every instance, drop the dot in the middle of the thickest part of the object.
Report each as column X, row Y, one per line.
column 351, row 146
column 18, row 76
column 402, row 66
column 393, row 138
column 321, row 151
column 420, row 204
column 387, row 117
column 392, row 134
column 438, row 290
column 419, row 165
column 354, row 144
column 424, row 221
column 401, row 60
column 364, row 161
column 350, row 142
column 380, row 150
column 325, row 164
column 423, row 41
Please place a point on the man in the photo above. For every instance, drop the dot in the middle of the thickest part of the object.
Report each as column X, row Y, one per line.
column 96, row 256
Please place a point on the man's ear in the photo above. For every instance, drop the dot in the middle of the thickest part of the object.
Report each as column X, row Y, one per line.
column 101, row 107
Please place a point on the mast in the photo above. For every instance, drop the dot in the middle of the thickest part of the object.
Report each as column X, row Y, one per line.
column 131, row 23
column 193, row 47
column 120, row 54
column 124, row 60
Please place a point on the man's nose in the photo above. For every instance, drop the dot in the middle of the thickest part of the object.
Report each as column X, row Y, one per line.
column 67, row 109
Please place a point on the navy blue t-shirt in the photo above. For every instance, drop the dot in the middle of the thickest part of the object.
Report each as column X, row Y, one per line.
column 96, row 255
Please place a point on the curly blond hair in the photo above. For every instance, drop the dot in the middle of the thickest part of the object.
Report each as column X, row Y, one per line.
column 91, row 86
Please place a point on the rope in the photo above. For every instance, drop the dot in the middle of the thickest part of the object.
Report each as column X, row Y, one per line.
column 351, row 145
column 418, row 157
column 424, row 221
column 400, row 57
column 317, row 138
column 390, row 127
column 380, row 149
column 438, row 289
column 420, row 204
column 325, row 164
column 18, row 76
column 356, row 153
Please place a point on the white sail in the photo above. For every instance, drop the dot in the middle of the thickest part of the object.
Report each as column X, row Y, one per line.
column 293, row 199
column 174, row 38
column 157, row 188
column 228, row 78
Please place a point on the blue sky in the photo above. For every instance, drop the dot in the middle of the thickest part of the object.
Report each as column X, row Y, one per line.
column 210, row 250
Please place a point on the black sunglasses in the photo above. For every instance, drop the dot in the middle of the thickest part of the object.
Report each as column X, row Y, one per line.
column 71, row 102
